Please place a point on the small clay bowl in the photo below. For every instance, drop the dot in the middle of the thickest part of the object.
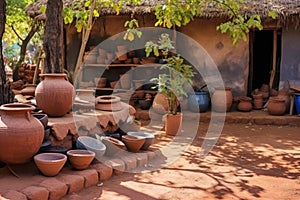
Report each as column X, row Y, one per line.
column 50, row 164
column 149, row 138
column 80, row 159
column 113, row 145
column 133, row 143
column 42, row 117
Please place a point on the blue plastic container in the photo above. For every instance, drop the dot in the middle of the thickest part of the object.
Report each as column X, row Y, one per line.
column 297, row 102
column 198, row 101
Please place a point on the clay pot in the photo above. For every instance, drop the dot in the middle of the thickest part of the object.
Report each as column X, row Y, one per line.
column 125, row 81
column 86, row 95
column 257, row 101
column 42, row 117
column 50, row 164
column 133, row 143
column 145, row 104
column 287, row 101
column 173, row 124
column 160, row 103
column 222, row 99
column 108, row 103
column 136, row 60
column 29, row 89
column 92, row 144
column 80, row 159
column 113, row 146
column 21, row 134
column 100, row 82
column 121, row 55
column 55, row 95
column 245, row 104
column 276, row 106
column 149, row 138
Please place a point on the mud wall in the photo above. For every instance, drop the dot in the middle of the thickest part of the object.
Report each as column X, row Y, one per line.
column 232, row 61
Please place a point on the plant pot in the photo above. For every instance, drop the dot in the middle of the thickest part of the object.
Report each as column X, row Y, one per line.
column 198, row 101
column 222, row 99
column 113, row 146
column 173, row 124
column 50, row 164
column 92, row 144
column 276, row 106
column 21, row 134
column 150, row 138
column 133, row 143
column 55, row 95
column 80, row 159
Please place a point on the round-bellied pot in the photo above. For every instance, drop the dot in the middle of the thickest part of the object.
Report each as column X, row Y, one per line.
column 80, row 158
column 21, row 134
column 55, row 95
column 92, row 144
column 149, row 138
column 133, row 143
column 245, row 104
column 276, row 106
column 113, row 145
column 198, row 101
column 50, row 164
column 222, row 99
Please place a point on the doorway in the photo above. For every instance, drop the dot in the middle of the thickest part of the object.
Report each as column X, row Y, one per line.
column 264, row 66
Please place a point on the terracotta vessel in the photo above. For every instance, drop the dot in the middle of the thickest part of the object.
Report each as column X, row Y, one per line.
column 245, row 104
column 276, row 106
column 55, row 95
column 80, row 159
column 113, row 146
column 258, row 101
column 92, row 144
column 160, row 103
column 173, row 124
column 108, row 103
column 133, row 143
column 50, row 164
column 150, row 138
column 86, row 95
column 125, row 81
column 222, row 99
column 100, row 82
column 29, row 89
column 21, row 134
column 42, row 117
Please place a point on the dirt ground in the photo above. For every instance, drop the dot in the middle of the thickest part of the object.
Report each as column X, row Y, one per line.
column 248, row 162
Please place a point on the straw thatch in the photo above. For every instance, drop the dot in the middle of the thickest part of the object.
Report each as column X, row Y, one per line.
column 285, row 8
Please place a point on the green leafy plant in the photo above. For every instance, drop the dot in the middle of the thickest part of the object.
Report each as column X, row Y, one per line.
column 132, row 30
column 178, row 73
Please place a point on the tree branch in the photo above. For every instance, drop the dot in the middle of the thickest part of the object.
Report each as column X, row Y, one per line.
column 14, row 30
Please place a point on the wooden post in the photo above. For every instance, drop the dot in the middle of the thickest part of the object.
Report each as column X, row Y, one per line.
column 273, row 71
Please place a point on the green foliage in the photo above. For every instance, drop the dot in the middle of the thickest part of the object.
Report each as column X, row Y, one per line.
column 172, row 83
column 165, row 44
column 132, row 30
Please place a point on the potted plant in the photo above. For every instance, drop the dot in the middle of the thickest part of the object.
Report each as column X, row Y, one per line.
column 172, row 81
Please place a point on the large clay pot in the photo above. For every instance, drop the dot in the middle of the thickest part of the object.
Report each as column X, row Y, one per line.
column 55, row 95
column 198, row 101
column 222, row 99
column 245, row 104
column 173, row 124
column 276, row 106
column 21, row 134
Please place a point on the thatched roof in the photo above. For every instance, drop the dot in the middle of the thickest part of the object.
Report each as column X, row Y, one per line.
column 285, row 8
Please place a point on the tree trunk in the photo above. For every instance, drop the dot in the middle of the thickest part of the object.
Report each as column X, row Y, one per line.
column 6, row 95
column 53, row 41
